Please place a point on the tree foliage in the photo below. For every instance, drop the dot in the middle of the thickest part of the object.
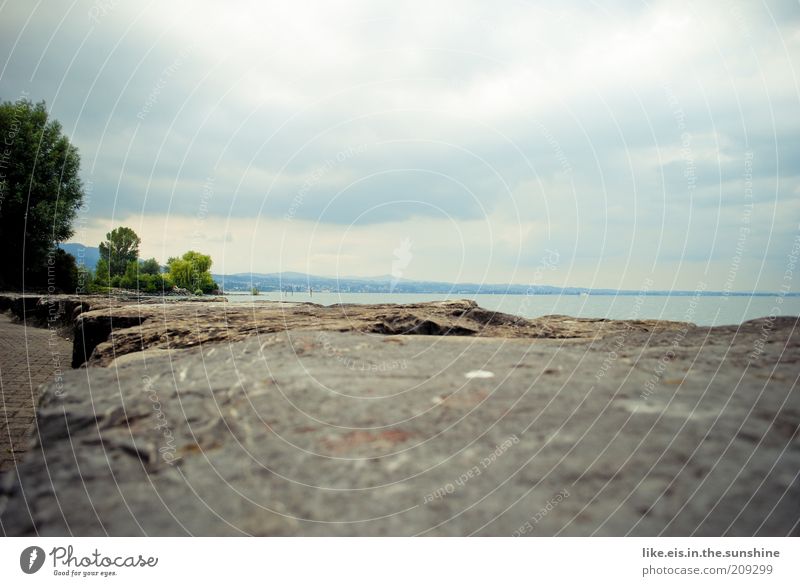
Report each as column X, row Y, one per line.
column 40, row 191
column 102, row 274
column 137, row 278
column 149, row 267
column 119, row 249
column 62, row 272
column 192, row 271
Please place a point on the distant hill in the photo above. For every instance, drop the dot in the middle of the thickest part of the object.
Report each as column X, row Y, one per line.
column 287, row 281
column 383, row 284
column 84, row 255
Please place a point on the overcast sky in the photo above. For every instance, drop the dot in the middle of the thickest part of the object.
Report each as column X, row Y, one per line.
column 637, row 140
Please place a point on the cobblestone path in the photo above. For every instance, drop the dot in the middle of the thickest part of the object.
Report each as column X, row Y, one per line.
column 29, row 356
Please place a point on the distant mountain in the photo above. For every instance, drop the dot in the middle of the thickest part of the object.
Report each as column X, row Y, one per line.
column 288, row 281
column 284, row 275
column 383, row 278
column 86, row 256
column 292, row 281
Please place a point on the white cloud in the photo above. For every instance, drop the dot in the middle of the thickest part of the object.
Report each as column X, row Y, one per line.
column 488, row 134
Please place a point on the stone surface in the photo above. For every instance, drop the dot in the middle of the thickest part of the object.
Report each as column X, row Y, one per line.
column 676, row 431
column 29, row 356
column 182, row 325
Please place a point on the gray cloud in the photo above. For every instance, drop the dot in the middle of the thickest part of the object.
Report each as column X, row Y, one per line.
column 614, row 130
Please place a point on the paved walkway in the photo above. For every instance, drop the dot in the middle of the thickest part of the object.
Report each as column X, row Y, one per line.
column 28, row 357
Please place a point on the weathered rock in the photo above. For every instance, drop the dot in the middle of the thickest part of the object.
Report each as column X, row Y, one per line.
column 65, row 311
column 91, row 331
column 182, row 325
column 40, row 311
column 672, row 432
column 43, row 309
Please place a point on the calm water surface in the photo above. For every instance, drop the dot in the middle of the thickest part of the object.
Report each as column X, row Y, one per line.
column 707, row 310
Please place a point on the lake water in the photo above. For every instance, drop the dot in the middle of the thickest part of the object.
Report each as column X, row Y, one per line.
column 702, row 310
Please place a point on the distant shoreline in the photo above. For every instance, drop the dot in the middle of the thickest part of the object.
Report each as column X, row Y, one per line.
column 591, row 293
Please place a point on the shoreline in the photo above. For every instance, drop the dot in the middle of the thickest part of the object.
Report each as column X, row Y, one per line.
column 293, row 419
column 105, row 328
column 156, row 322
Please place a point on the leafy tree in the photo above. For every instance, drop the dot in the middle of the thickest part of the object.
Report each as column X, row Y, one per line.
column 62, row 272
column 137, row 279
column 102, row 274
column 192, row 271
column 40, row 191
column 120, row 247
column 149, row 267
column 130, row 280
column 165, row 282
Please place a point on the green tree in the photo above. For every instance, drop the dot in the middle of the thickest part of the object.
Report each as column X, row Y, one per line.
column 130, row 279
column 192, row 271
column 102, row 274
column 120, row 247
column 62, row 272
column 40, row 191
column 136, row 278
column 149, row 267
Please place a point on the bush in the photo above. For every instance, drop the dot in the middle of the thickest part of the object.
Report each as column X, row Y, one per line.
column 198, row 292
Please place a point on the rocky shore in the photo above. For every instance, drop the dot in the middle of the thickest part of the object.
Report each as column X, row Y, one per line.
column 210, row 418
column 156, row 323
